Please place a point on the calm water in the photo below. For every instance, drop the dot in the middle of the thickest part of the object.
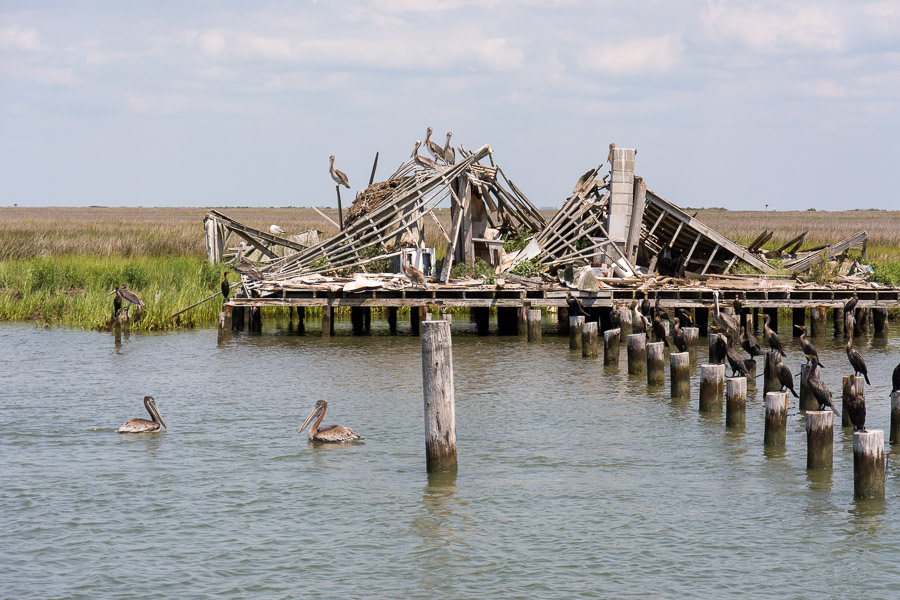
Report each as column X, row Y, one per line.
column 575, row 480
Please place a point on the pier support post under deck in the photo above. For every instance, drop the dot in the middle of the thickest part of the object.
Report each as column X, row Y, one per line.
column 534, row 325
column 817, row 320
column 508, row 320
column 237, row 318
column 562, row 318
column 482, row 317
column 879, row 319
column 356, row 319
column 327, row 321
column 799, row 319
column 701, row 320
column 392, row 319
column 301, row 319
column 837, row 317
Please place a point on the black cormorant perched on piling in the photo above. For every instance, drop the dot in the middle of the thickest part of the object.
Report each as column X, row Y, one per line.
column 771, row 337
column 226, row 288
column 895, row 379
column 720, row 347
column 750, row 344
column 806, row 345
column 856, row 406
column 856, row 359
column 821, row 393
column 660, row 311
column 735, row 361
column 638, row 325
column 849, row 318
column 685, row 317
column 659, row 330
column 785, row 377
column 678, row 336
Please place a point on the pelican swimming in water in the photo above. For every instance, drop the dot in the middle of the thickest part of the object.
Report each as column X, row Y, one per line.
column 123, row 294
column 339, row 177
column 332, row 433
column 143, row 425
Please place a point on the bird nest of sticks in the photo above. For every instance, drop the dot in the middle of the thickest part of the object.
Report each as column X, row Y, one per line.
column 370, row 198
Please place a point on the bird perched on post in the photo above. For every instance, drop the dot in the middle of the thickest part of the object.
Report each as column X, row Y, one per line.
column 735, row 361
column 856, row 406
column 226, row 287
column 449, row 152
column 720, row 347
column 659, row 330
column 415, row 275
column 422, row 161
column 638, row 325
column 849, row 318
column 433, row 147
column 784, row 375
column 808, row 348
column 817, row 387
column 685, row 317
column 856, row 359
column 339, row 177
column 576, row 308
column 129, row 298
column 678, row 336
column 726, row 323
column 772, row 337
column 612, row 147
column 660, row 311
column 750, row 344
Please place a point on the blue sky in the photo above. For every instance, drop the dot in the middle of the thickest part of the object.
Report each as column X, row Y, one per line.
column 734, row 104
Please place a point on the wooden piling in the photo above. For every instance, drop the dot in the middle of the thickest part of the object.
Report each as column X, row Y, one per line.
column 735, row 401
column 256, row 319
column 301, row 319
column 775, row 433
column 712, row 382
column 817, row 321
column 680, row 374
column 712, row 347
column 611, row 339
column 751, row 368
column 522, row 319
column 845, row 391
column 327, row 321
column 868, row 464
column 837, row 317
column 482, row 317
column 879, row 319
column 508, row 320
column 392, row 319
column 656, row 363
column 636, row 347
column 770, row 378
column 755, row 318
column 799, row 319
column 589, row 339
column 575, row 326
column 356, row 319
column 701, row 320
column 895, row 418
column 562, row 320
column 439, row 395
column 819, row 439
column 237, row 318
column 367, row 320
column 807, row 400
column 625, row 320
column 691, row 335
column 534, row 325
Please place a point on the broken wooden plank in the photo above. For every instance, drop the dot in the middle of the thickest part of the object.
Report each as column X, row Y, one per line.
column 805, row 263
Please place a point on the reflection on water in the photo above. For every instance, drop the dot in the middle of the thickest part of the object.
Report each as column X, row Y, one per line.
column 574, row 479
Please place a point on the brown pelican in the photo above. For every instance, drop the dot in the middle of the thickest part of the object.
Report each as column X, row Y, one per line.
column 749, row 343
column 449, row 152
column 226, row 288
column 856, row 406
column 727, row 323
column 339, row 177
column 332, row 433
column 784, row 375
column 245, row 266
column 856, row 359
column 678, row 336
column 433, row 147
column 615, row 317
column 612, row 146
column 276, row 230
column 415, row 275
column 817, row 387
column 143, row 425
column 772, row 337
column 123, row 294
column 576, row 308
column 659, row 330
column 422, row 161
column 808, row 348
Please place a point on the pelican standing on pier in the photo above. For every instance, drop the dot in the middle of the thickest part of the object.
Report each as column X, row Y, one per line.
column 123, row 294
column 433, row 147
column 449, row 152
column 244, row 266
column 339, row 177
column 143, row 425
column 727, row 323
column 422, row 161
column 332, row 433
column 415, row 275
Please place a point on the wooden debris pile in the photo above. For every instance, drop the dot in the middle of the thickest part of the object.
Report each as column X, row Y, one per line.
column 370, row 198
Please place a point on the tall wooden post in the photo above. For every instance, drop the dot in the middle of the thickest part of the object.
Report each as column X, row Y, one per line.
column 701, row 320
column 775, row 433
column 562, row 320
column 367, row 319
column 439, row 395
column 327, row 321
column 799, row 318
column 522, row 316
column 770, row 378
column 837, row 317
column 482, row 316
column 656, row 363
column 879, row 319
column 392, row 319
column 589, row 339
column 895, row 417
column 712, row 382
column 337, row 189
column 575, row 326
column 712, row 347
column 751, row 369
column 845, row 391
column 508, row 320
column 356, row 319
column 534, row 325
column 807, row 400
column 691, row 335
column 636, row 346
column 735, row 401
column 868, row 464
column 237, row 318
column 819, row 439
column 301, row 320
column 611, row 338
column 755, row 319
column 680, row 374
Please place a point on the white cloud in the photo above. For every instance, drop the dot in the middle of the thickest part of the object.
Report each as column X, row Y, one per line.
column 20, row 38
column 776, row 27
column 635, row 56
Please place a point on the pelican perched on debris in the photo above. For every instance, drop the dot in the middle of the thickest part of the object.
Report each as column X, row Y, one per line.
column 126, row 296
column 332, row 433
column 449, row 152
column 422, row 161
column 726, row 323
column 415, row 275
column 143, row 425
column 339, row 177
column 244, row 266
column 433, row 147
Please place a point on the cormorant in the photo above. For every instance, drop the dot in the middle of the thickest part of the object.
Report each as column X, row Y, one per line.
column 659, row 330
column 332, row 433
column 856, row 359
column 615, row 317
column 638, row 325
column 735, row 361
column 785, row 376
column 678, row 337
column 117, row 305
column 339, row 177
column 660, row 311
column 856, row 406
column 849, row 323
column 576, row 308
column 720, row 348
column 645, row 305
column 808, row 348
column 850, row 304
column 772, row 337
column 750, row 344
column 685, row 317
column 226, row 288
column 821, row 393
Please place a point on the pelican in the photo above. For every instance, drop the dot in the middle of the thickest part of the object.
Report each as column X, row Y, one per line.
column 276, row 230
column 433, row 147
column 245, row 266
column 817, row 387
column 727, row 323
column 416, row 276
column 772, row 337
column 422, row 161
column 226, row 288
column 609, row 156
column 749, row 343
column 856, row 406
column 678, row 336
column 143, row 425
column 123, row 294
column 332, row 433
column 339, row 177
column 808, row 348
column 449, row 152
column 856, row 359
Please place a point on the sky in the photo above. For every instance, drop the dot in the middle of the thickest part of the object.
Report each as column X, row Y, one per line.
column 217, row 103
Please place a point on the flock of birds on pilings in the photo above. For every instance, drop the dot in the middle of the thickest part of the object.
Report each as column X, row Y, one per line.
column 648, row 318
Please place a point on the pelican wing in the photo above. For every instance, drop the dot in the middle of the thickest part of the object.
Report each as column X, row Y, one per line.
column 336, row 433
